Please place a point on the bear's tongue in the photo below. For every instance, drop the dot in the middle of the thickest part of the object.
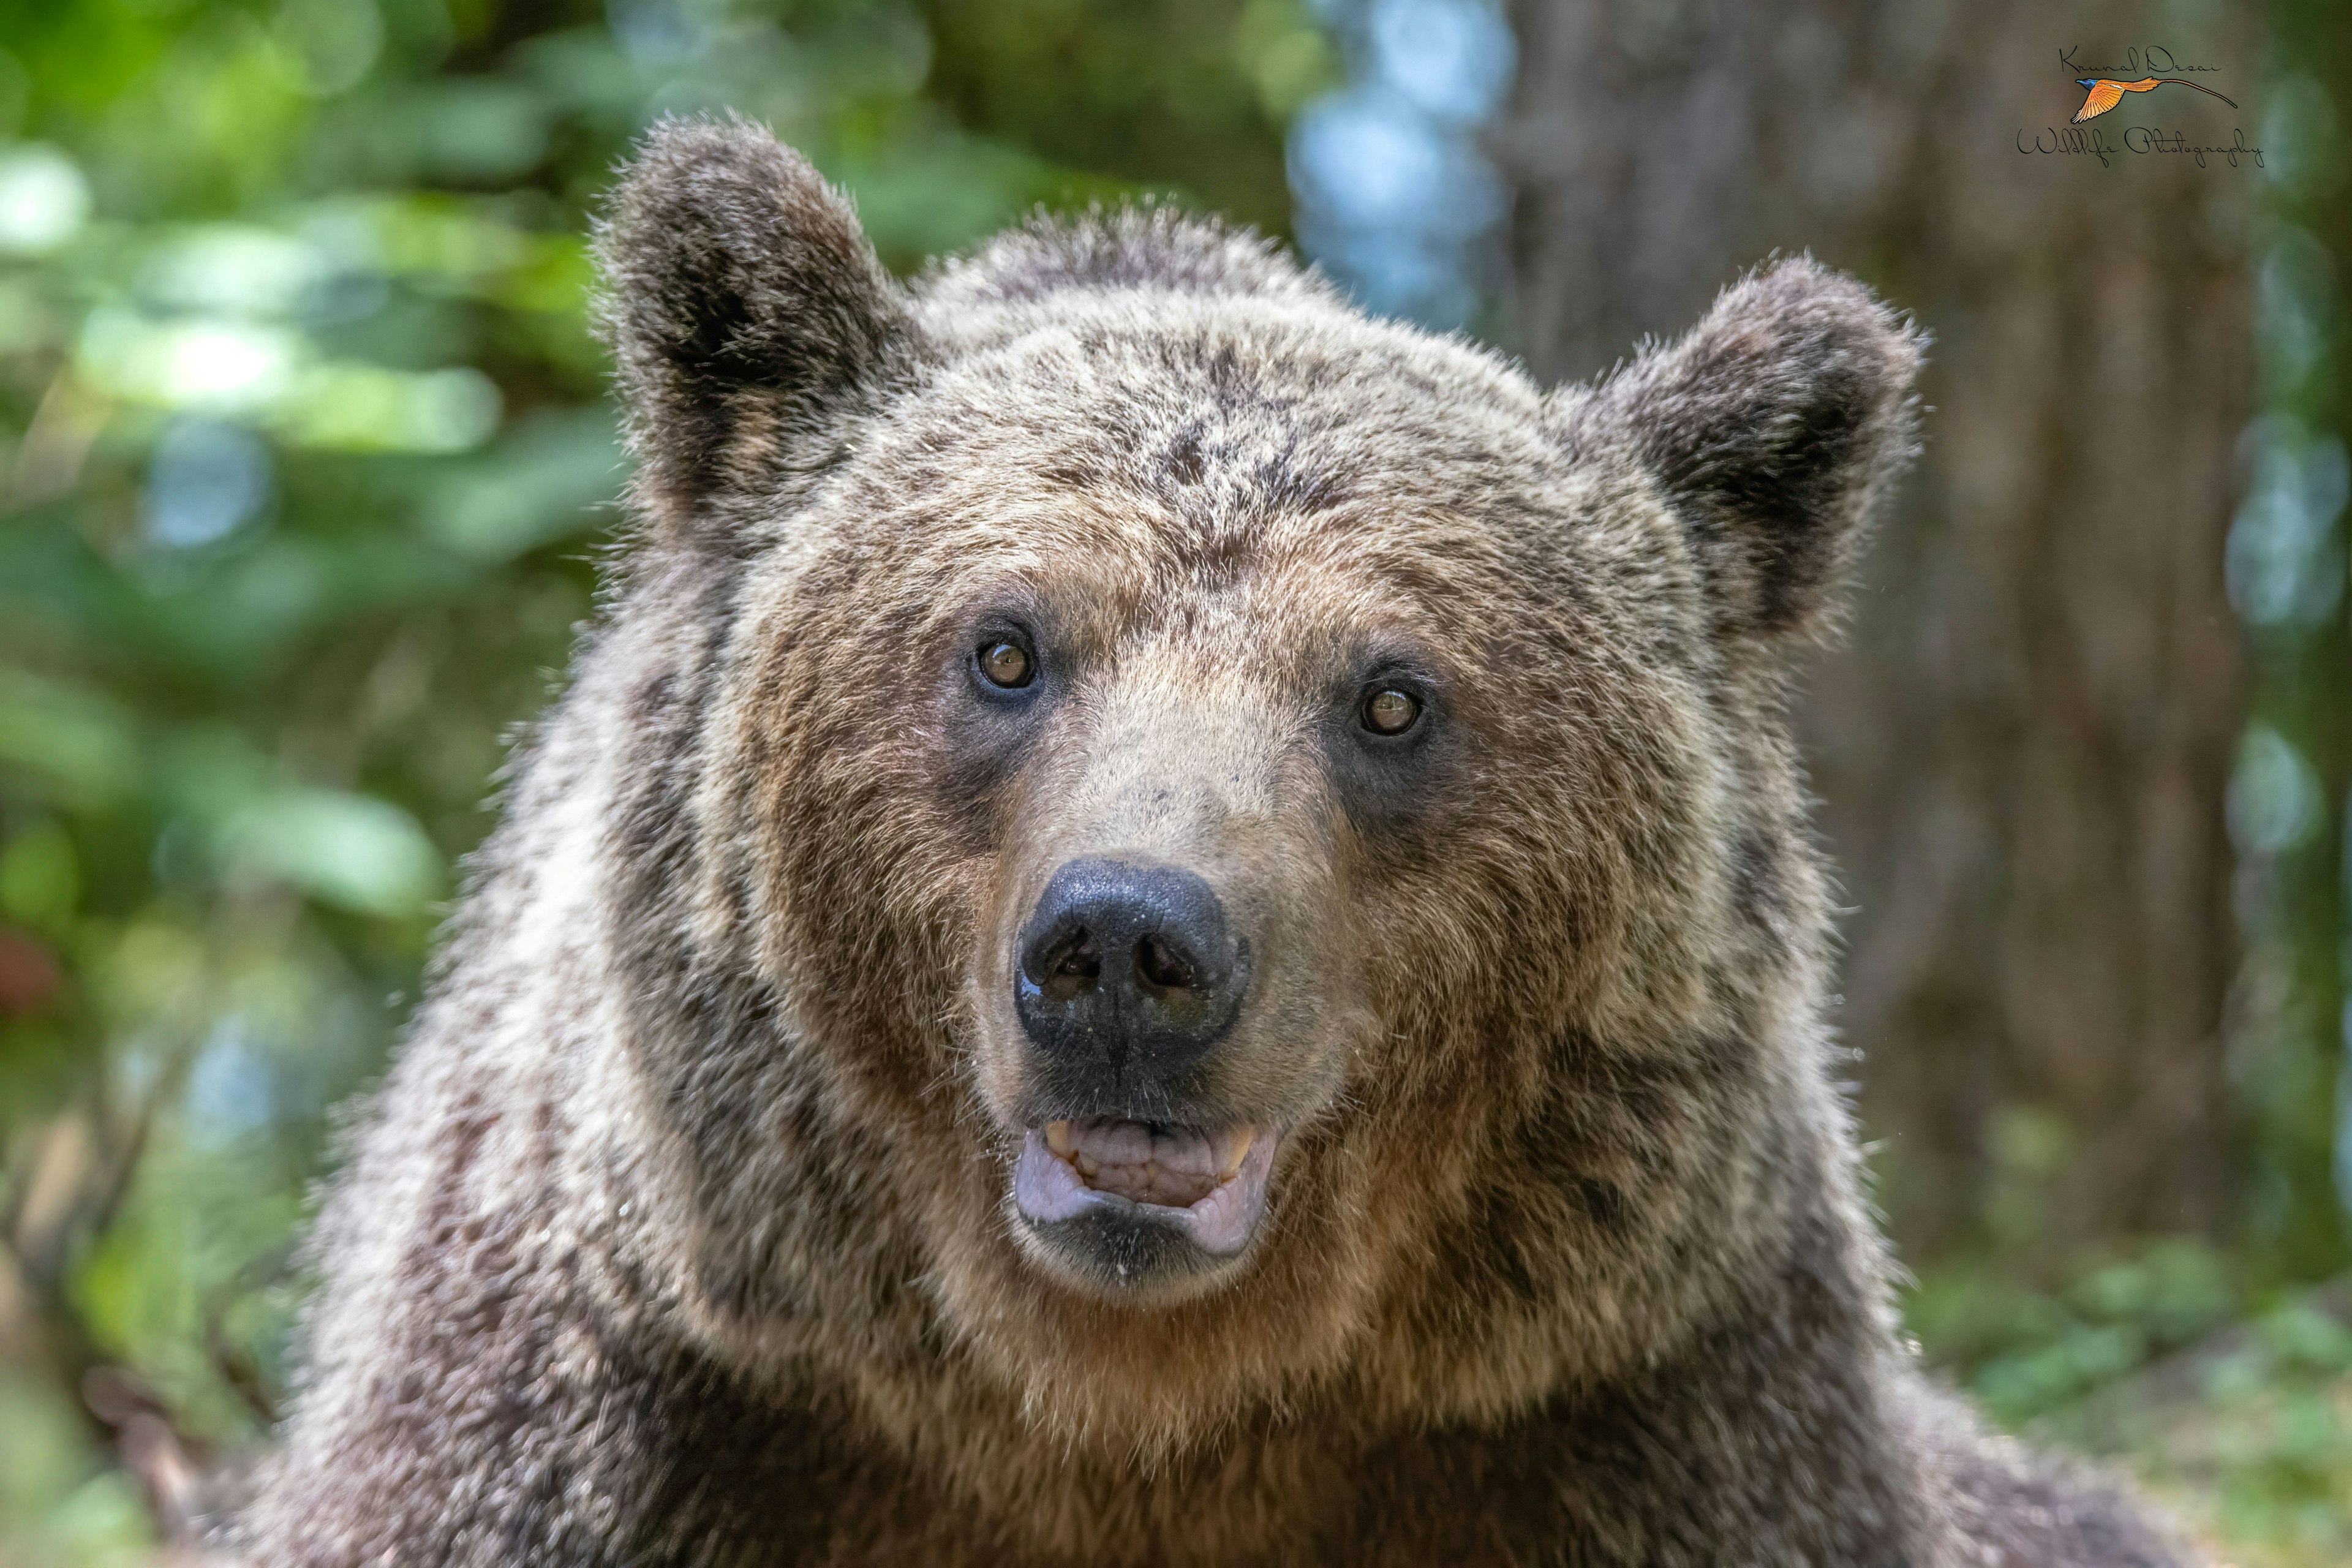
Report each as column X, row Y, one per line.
column 1150, row 1162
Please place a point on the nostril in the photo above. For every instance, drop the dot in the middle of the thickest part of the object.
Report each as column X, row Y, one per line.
column 1067, row 966
column 1163, row 965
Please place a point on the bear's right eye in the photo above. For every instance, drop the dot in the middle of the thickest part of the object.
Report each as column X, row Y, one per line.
column 1005, row 664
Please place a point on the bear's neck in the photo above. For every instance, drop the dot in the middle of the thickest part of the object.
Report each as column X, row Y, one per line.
column 1764, row 1439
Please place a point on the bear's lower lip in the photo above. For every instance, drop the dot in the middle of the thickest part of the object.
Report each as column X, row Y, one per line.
column 1208, row 1185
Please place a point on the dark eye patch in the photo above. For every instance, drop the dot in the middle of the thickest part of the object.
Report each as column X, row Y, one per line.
column 994, row 695
column 1388, row 741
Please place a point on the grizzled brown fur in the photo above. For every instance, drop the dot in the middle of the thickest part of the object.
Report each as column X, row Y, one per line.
column 683, row 1231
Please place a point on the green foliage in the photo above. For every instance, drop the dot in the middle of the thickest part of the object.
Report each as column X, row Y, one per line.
column 2235, row 1409
column 2030, row 1352
column 2294, row 778
column 59, row 1505
column 1155, row 89
column 2249, row 1435
column 2273, row 1438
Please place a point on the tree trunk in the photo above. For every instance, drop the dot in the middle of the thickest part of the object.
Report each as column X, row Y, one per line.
column 2023, row 745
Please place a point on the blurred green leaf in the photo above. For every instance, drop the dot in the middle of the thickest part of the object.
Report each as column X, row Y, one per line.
column 73, row 747
column 352, row 850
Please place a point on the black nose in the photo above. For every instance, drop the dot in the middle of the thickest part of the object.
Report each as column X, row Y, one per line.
column 1128, row 968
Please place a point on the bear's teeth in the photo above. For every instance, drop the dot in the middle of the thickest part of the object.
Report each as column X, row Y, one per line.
column 1228, row 1149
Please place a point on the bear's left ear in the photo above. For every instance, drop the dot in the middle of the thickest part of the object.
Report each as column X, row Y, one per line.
column 1774, row 428
column 748, row 315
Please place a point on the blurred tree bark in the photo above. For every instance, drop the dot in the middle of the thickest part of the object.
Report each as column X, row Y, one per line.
column 2023, row 746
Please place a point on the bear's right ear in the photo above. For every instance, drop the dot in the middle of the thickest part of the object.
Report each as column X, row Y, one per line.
column 747, row 313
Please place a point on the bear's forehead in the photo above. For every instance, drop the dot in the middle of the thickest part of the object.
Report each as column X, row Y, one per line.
column 1119, row 464
column 1096, row 565
column 1301, row 401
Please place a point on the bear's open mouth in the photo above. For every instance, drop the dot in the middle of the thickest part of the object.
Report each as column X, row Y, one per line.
column 1210, row 1182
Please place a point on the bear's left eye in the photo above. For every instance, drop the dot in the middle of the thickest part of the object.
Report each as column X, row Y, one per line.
column 1005, row 664
column 1391, row 713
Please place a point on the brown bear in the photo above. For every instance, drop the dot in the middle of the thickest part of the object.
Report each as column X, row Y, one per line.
column 1164, row 924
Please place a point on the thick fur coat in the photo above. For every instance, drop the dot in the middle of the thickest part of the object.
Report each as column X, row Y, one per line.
column 686, row 1228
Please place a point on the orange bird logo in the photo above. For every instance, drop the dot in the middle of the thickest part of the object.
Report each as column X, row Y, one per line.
column 2106, row 94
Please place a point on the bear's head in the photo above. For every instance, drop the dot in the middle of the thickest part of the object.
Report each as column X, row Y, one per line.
column 1192, row 842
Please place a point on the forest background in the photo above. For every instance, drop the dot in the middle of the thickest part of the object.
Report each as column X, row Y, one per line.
column 307, row 462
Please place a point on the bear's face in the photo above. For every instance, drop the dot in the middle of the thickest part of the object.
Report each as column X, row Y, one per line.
column 1202, row 772
column 1180, row 653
